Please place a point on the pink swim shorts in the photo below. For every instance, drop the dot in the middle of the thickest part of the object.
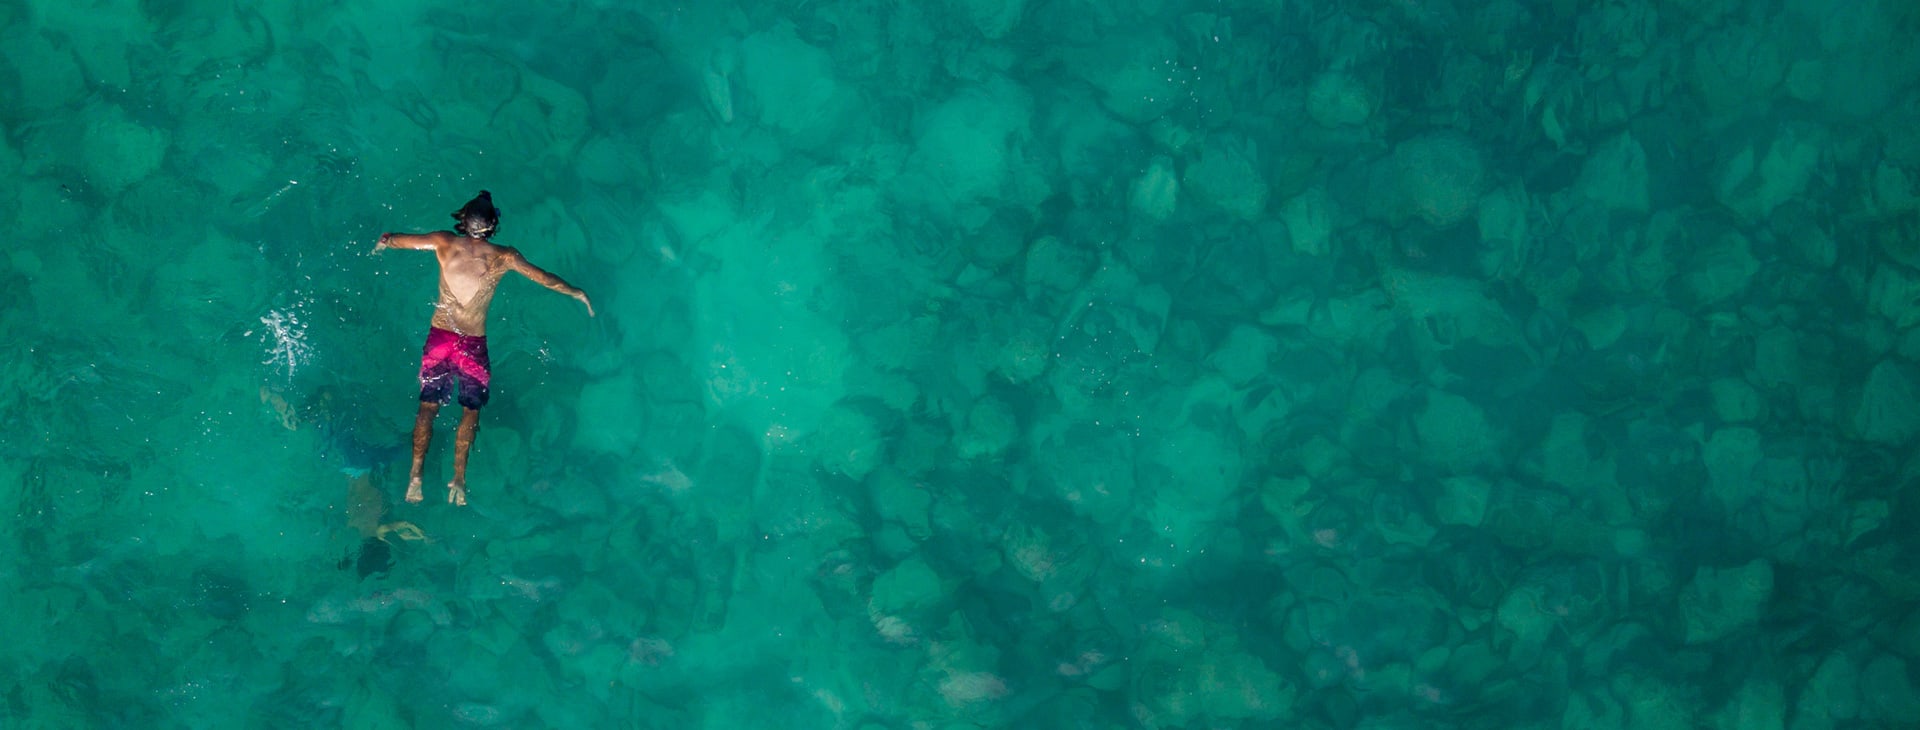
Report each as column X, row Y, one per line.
column 449, row 354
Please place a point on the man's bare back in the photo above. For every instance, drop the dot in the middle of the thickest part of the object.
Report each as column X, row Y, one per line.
column 470, row 269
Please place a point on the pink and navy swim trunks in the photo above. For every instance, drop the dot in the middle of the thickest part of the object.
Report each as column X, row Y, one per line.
column 449, row 354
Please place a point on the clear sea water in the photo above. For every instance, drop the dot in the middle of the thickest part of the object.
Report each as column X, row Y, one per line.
column 967, row 364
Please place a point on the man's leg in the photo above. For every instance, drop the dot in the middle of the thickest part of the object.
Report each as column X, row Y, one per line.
column 422, row 434
column 469, row 423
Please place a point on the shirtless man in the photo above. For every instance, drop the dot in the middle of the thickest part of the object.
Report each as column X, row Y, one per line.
column 470, row 267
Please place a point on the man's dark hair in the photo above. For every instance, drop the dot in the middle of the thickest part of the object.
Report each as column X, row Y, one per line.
column 481, row 206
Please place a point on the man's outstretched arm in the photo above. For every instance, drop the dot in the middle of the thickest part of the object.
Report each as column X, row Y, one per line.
column 418, row 242
column 547, row 279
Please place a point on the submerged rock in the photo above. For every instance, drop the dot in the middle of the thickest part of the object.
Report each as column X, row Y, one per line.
column 1437, row 178
column 1886, row 414
column 1721, row 601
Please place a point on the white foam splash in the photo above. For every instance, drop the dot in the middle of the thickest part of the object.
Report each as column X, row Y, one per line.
column 286, row 339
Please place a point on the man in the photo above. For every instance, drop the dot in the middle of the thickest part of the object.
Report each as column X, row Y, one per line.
column 470, row 267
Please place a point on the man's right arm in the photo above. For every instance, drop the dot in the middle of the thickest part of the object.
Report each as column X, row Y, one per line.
column 418, row 242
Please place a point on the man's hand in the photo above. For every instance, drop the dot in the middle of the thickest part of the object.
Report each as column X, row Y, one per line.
column 582, row 296
column 383, row 242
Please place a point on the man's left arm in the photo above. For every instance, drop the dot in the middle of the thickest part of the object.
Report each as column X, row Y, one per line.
column 545, row 278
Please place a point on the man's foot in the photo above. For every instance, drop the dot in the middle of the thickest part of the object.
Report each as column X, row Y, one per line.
column 457, row 494
column 413, row 491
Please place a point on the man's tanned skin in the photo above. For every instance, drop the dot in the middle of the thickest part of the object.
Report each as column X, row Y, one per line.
column 470, row 267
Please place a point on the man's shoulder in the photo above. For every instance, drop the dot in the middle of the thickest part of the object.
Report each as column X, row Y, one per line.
column 468, row 244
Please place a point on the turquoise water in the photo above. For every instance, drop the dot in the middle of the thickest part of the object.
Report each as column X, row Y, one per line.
column 968, row 364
